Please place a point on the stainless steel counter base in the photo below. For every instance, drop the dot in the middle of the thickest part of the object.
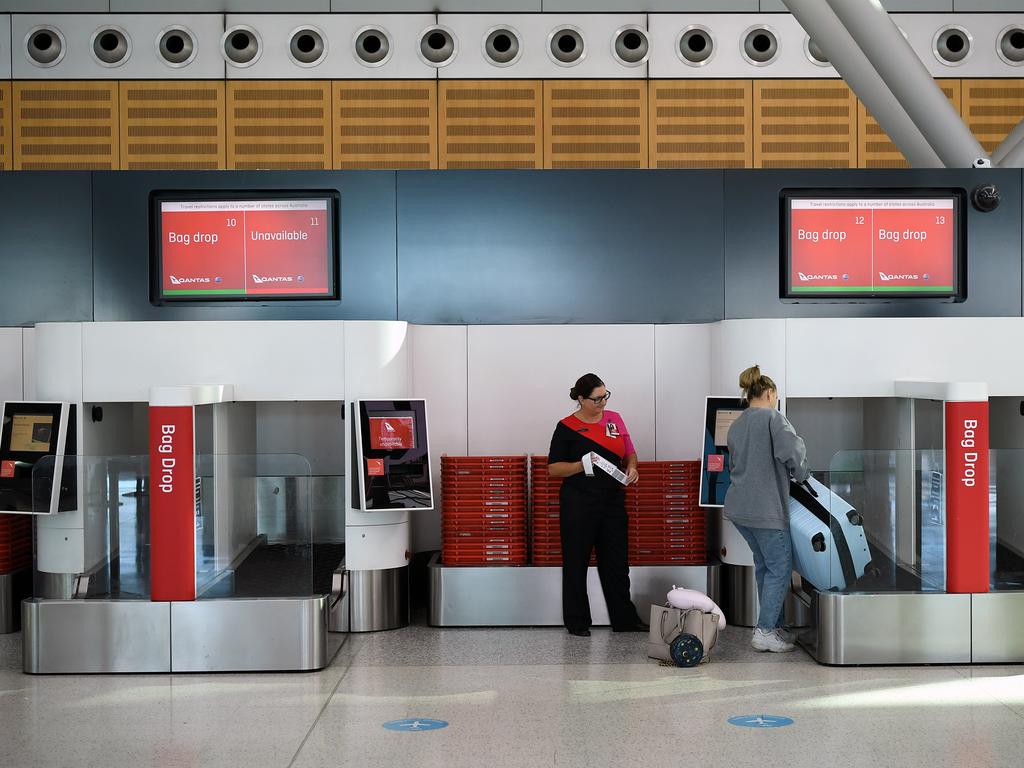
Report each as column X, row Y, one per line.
column 890, row 628
column 375, row 600
column 14, row 587
column 229, row 635
column 917, row 628
column 466, row 596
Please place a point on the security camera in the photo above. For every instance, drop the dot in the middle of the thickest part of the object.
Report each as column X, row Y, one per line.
column 985, row 197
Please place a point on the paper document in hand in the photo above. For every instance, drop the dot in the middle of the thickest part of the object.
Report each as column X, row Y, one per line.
column 607, row 466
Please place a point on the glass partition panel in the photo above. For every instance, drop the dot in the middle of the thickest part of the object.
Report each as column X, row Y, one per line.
column 888, row 515
column 113, row 558
column 256, row 526
column 240, row 553
column 1006, row 519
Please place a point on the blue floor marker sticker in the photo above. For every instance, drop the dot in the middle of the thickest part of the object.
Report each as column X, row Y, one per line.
column 415, row 725
column 761, row 721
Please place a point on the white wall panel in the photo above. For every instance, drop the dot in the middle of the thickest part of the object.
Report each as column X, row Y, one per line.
column 144, row 32
column 598, row 31
column 984, row 30
column 520, row 376
column 726, row 60
column 377, row 359
column 12, row 371
column 58, row 362
column 739, row 344
column 296, row 360
column 862, row 357
column 29, row 363
column 439, row 374
column 682, row 364
column 340, row 32
column 5, row 47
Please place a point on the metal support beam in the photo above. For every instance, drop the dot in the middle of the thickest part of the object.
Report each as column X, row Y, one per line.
column 1014, row 158
column 1010, row 144
column 825, row 29
column 902, row 71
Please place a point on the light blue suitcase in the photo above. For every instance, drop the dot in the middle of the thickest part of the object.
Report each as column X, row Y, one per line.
column 830, row 549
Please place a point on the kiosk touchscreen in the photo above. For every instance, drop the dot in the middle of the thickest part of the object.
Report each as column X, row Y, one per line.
column 32, row 431
column 393, row 468
column 719, row 414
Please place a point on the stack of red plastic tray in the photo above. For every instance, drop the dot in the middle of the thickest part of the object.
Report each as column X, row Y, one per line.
column 546, row 534
column 483, row 513
column 666, row 523
column 15, row 542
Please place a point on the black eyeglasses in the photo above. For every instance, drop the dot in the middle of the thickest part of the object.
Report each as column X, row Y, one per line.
column 598, row 400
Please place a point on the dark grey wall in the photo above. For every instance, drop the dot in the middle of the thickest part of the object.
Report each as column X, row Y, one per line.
column 560, row 247
column 484, row 247
column 45, row 247
column 368, row 255
column 752, row 245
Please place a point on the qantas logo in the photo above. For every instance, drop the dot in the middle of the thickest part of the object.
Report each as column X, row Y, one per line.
column 810, row 278
column 272, row 279
column 884, row 277
column 388, row 427
column 187, row 280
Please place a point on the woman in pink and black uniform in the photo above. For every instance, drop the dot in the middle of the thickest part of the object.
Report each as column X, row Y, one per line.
column 593, row 511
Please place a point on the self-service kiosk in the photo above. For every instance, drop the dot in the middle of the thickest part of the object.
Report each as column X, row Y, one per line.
column 35, row 479
column 32, row 433
column 389, row 479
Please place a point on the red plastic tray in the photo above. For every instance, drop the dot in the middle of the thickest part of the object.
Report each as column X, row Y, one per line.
column 491, row 494
column 482, row 519
column 486, row 544
column 470, row 462
column 473, row 483
column 466, row 562
column 483, row 505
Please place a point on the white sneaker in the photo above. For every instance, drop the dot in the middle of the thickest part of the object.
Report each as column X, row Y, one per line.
column 787, row 635
column 769, row 641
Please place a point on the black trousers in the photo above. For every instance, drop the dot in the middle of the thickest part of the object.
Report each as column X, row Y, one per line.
column 589, row 522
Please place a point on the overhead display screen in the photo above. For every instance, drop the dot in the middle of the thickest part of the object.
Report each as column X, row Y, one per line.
column 873, row 244
column 244, row 246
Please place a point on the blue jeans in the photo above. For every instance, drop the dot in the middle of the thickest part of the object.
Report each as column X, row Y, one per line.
column 773, row 569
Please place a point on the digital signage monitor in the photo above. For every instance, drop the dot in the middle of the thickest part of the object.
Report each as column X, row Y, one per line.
column 254, row 245
column 873, row 244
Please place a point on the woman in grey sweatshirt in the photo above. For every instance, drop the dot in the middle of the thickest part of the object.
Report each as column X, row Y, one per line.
column 764, row 453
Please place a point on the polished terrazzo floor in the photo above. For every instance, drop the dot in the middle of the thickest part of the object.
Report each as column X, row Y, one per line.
column 523, row 697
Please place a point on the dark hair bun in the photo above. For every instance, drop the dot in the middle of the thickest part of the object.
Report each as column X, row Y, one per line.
column 585, row 384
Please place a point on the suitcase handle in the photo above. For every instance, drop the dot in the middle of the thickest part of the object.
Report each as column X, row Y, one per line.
column 807, row 487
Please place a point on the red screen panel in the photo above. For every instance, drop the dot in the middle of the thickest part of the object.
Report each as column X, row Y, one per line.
column 876, row 247
column 239, row 249
column 392, row 433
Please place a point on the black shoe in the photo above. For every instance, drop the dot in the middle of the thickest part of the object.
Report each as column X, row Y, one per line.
column 638, row 627
column 579, row 632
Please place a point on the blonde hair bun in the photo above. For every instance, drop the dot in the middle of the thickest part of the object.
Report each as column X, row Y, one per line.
column 750, row 376
column 754, row 384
